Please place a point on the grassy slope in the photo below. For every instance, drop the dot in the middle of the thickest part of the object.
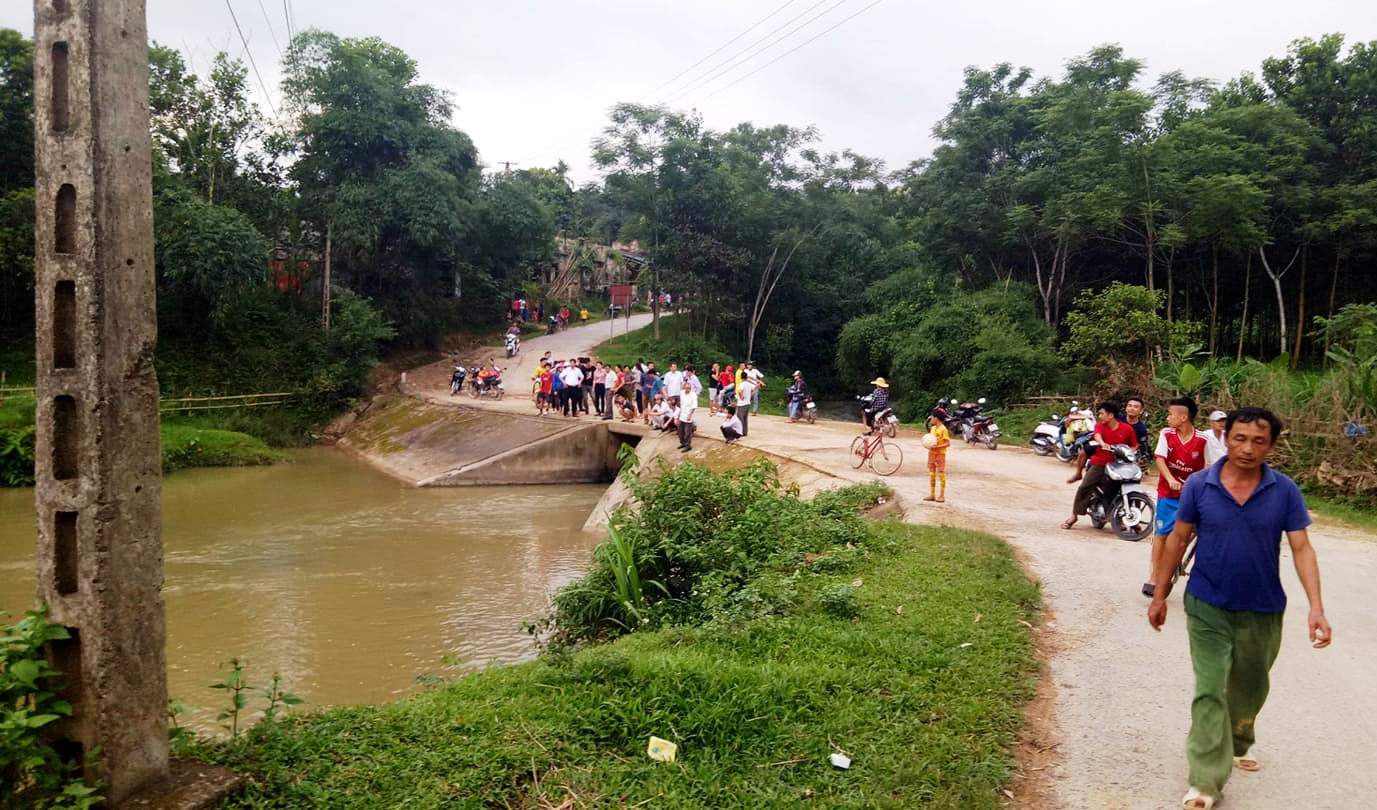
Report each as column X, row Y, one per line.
column 755, row 710
column 183, row 445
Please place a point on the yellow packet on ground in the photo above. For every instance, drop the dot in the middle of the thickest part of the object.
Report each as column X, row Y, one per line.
column 662, row 750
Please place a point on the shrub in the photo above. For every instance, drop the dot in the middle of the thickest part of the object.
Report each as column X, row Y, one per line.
column 31, row 770
column 704, row 547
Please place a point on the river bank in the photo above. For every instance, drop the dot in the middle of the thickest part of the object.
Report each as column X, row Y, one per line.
column 904, row 648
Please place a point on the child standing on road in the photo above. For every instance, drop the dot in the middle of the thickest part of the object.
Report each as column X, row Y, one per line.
column 937, row 440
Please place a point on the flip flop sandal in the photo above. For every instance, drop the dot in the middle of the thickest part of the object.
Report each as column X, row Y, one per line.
column 1248, row 764
column 1196, row 800
column 1069, row 523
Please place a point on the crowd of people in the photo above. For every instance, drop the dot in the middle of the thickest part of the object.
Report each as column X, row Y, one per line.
column 667, row 400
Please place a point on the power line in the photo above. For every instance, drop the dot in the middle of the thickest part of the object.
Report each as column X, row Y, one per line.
column 263, row 85
column 271, row 32
column 695, row 84
column 746, row 56
column 839, row 24
column 287, row 15
column 720, row 48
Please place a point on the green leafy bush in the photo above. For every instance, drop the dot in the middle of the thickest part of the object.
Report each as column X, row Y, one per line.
column 31, row 770
column 703, row 547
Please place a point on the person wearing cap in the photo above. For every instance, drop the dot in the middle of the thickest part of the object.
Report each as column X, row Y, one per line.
column 1215, row 435
column 797, row 390
column 879, row 400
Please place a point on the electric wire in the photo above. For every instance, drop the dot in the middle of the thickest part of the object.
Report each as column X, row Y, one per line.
column 786, row 53
column 272, row 33
column 751, row 51
column 713, row 53
column 262, row 85
column 693, row 84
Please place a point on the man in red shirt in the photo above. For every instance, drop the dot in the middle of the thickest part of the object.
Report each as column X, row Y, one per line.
column 1108, row 432
column 1181, row 451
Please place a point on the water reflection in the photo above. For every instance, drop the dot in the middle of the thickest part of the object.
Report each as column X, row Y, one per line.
column 346, row 582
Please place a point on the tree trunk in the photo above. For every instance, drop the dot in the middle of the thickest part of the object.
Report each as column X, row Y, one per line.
column 1214, row 297
column 325, row 286
column 1171, row 291
column 1333, row 291
column 1300, row 307
column 655, row 301
column 1243, row 323
column 1275, row 276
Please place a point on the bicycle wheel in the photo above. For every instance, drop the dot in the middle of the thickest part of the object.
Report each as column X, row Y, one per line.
column 886, row 458
column 858, row 452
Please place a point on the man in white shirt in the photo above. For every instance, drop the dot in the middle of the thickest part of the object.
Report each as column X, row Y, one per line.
column 572, row 377
column 688, row 409
column 731, row 427
column 745, row 392
column 691, row 377
column 673, row 380
column 755, row 376
column 1215, row 435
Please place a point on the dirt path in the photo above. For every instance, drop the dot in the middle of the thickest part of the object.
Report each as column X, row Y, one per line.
column 1122, row 692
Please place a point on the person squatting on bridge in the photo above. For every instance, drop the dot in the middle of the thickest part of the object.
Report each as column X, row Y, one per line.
column 1238, row 508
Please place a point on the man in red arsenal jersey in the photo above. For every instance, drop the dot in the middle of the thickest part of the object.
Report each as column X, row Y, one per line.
column 1108, row 432
column 1181, row 451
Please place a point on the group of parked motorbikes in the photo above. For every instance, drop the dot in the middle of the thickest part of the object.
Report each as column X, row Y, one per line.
column 479, row 386
column 965, row 419
column 1123, row 502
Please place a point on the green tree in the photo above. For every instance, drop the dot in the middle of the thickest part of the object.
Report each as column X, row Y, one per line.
column 16, row 184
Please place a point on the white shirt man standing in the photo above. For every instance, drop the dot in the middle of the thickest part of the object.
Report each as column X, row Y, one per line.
column 745, row 392
column 673, row 380
column 572, row 377
column 688, row 409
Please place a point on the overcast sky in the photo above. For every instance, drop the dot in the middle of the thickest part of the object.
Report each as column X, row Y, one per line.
column 532, row 79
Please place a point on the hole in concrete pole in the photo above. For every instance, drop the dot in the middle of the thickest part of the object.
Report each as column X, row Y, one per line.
column 66, row 438
column 65, row 220
column 60, row 6
column 60, row 111
column 65, row 552
column 71, row 752
column 64, row 325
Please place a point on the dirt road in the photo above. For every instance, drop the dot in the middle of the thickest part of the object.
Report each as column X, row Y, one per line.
column 1122, row 691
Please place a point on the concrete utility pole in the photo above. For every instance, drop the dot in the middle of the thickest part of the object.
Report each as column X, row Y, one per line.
column 100, row 554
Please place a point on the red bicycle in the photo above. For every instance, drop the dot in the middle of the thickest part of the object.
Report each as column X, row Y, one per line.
column 884, row 457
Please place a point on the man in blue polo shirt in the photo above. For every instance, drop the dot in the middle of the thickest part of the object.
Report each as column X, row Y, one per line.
column 1239, row 508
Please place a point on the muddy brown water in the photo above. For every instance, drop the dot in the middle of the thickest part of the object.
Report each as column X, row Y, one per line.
column 346, row 582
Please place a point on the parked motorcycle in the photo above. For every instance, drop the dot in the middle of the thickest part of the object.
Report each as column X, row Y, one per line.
column 885, row 421
column 1122, row 501
column 984, row 430
column 946, row 412
column 513, row 345
column 1052, row 435
column 456, row 380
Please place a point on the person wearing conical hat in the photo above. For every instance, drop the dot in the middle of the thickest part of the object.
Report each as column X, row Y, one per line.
column 879, row 400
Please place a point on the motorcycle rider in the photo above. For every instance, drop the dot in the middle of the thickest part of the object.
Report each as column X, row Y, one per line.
column 1109, row 432
column 796, row 391
column 879, row 400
